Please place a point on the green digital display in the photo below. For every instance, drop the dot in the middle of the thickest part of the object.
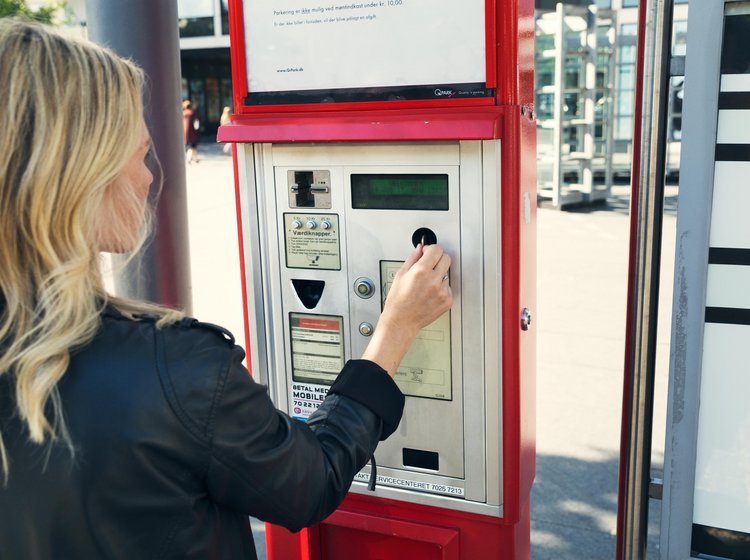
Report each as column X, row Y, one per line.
column 413, row 191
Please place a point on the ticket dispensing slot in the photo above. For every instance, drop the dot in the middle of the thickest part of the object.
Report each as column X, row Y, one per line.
column 308, row 291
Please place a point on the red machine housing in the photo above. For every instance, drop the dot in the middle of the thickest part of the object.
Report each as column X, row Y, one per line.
column 370, row 527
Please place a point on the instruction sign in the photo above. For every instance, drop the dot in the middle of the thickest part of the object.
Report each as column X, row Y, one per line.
column 302, row 45
column 312, row 241
column 317, row 347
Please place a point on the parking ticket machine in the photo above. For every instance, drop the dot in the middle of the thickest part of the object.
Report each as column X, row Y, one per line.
column 361, row 130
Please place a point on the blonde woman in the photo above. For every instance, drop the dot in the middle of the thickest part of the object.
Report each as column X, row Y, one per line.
column 128, row 431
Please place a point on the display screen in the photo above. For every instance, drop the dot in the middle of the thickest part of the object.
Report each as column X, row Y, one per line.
column 317, row 347
column 412, row 191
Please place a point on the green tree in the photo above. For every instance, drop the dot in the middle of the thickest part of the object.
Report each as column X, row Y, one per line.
column 49, row 13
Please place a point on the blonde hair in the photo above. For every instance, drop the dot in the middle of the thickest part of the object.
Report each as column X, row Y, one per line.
column 63, row 140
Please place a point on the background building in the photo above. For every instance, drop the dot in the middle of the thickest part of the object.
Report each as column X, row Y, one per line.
column 204, row 57
column 627, row 21
column 206, row 73
column 585, row 94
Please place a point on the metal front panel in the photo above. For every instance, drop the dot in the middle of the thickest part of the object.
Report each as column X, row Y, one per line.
column 385, row 235
column 452, row 422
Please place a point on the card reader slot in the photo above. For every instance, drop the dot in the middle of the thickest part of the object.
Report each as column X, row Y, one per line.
column 421, row 459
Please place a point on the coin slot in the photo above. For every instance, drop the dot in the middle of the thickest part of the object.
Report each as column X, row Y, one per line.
column 425, row 236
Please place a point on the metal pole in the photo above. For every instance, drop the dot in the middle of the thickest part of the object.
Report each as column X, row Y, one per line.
column 147, row 32
column 655, row 23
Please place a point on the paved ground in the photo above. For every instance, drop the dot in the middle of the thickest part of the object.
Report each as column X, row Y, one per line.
column 582, row 258
column 581, row 325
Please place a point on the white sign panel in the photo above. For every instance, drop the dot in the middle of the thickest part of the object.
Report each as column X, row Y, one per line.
column 295, row 45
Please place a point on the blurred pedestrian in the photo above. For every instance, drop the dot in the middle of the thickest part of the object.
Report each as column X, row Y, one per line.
column 191, row 126
column 226, row 118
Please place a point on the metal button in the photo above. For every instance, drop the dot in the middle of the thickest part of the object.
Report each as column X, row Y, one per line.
column 325, row 224
column 312, row 224
column 296, row 224
column 364, row 287
column 366, row 329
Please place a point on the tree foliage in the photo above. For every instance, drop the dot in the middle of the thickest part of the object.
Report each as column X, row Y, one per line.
column 49, row 13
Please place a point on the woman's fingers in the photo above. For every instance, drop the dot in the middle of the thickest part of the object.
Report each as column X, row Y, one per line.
column 413, row 257
column 420, row 292
column 431, row 255
column 443, row 265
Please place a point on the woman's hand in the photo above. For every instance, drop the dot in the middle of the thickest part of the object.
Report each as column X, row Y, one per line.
column 420, row 293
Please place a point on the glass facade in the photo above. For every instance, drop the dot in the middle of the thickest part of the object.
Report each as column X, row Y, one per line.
column 676, row 91
column 206, row 81
column 634, row 3
column 196, row 17
column 625, row 97
column 679, row 47
column 225, row 17
column 206, row 72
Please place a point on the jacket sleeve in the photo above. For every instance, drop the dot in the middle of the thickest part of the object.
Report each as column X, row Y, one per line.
column 280, row 470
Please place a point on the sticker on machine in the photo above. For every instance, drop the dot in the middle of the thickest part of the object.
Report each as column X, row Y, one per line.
column 306, row 399
column 416, row 485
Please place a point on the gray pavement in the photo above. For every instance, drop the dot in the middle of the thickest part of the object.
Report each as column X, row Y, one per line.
column 582, row 265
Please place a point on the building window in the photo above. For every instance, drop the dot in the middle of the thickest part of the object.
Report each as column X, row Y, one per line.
column 625, row 82
column 629, row 3
column 224, row 17
column 676, row 91
column 196, row 17
column 604, row 4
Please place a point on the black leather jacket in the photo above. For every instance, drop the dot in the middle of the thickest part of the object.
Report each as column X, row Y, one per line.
column 176, row 445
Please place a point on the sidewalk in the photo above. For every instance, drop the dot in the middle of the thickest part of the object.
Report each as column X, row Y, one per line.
column 582, row 259
column 582, row 288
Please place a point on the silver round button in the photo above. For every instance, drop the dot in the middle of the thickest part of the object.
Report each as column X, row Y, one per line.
column 296, row 224
column 366, row 329
column 364, row 287
column 312, row 224
column 325, row 224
